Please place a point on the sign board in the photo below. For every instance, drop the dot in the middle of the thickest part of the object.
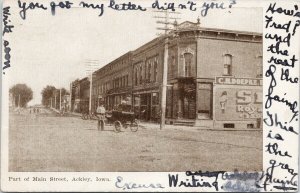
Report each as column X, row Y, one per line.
column 239, row 81
column 238, row 104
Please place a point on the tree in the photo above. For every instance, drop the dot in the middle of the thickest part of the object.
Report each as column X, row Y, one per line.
column 47, row 93
column 22, row 94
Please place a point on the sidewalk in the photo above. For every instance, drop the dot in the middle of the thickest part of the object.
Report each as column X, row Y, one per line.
column 74, row 114
column 149, row 125
column 156, row 126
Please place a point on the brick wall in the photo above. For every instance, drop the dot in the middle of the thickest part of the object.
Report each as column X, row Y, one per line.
column 210, row 57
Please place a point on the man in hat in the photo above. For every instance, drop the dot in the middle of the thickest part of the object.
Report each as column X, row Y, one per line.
column 101, row 116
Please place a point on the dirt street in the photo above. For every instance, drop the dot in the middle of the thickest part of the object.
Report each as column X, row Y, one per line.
column 47, row 142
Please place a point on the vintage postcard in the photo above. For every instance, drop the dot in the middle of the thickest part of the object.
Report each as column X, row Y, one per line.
column 150, row 96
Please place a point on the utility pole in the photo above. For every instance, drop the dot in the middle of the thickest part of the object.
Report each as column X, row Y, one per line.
column 55, row 99
column 71, row 88
column 90, row 99
column 60, row 99
column 91, row 65
column 19, row 101
column 166, row 29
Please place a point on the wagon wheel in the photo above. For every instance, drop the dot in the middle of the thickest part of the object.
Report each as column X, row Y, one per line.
column 134, row 126
column 118, row 126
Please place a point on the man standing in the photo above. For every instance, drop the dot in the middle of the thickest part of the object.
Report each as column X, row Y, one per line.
column 101, row 116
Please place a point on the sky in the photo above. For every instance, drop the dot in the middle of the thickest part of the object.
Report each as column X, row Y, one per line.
column 54, row 50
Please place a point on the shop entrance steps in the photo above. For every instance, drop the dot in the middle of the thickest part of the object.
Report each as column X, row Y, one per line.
column 185, row 122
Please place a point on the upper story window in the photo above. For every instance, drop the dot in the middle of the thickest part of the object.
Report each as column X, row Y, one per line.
column 259, row 68
column 155, row 70
column 141, row 74
column 149, row 70
column 126, row 79
column 136, row 75
column 188, row 64
column 147, row 64
column 227, row 65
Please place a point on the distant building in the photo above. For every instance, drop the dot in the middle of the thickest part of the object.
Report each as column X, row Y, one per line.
column 214, row 78
column 113, row 83
column 80, row 95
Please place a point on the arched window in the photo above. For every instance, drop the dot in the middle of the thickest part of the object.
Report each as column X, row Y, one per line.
column 187, row 64
column 259, row 67
column 227, row 65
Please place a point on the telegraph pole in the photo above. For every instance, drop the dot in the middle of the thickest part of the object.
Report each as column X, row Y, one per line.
column 19, row 101
column 91, row 66
column 55, row 99
column 90, row 99
column 71, row 88
column 166, row 29
column 60, row 99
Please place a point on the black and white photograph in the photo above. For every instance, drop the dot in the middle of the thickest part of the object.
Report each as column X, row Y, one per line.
column 120, row 86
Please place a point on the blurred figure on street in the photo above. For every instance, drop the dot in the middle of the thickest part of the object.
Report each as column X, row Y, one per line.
column 101, row 116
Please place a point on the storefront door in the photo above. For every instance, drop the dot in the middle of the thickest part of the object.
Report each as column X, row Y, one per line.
column 145, row 110
column 204, row 109
column 187, row 100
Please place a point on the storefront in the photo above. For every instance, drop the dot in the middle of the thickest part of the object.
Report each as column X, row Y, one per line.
column 113, row 100
column 146, row 105
column 181, row 99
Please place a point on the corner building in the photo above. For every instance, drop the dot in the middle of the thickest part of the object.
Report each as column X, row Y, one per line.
column 214, row 78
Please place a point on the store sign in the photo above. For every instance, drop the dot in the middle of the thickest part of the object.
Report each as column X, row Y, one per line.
column 246, row 104
column 238, row 103
column 239, row 81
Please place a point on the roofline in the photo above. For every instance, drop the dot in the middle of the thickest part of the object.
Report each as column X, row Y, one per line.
column 157, row 39
column 220, row 30
column 115, row 60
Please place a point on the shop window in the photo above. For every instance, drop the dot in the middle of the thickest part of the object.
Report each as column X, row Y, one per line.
column 169, row 102
column 187, row 64
column 136, row 103
column 155, row 99
column 155, row 106
column 171, row 68
column 227, row 65
column 259, row 73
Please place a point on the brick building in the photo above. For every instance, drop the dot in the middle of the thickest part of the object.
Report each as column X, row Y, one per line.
column 214, row 78
column 80, row 93
column 113, row 83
